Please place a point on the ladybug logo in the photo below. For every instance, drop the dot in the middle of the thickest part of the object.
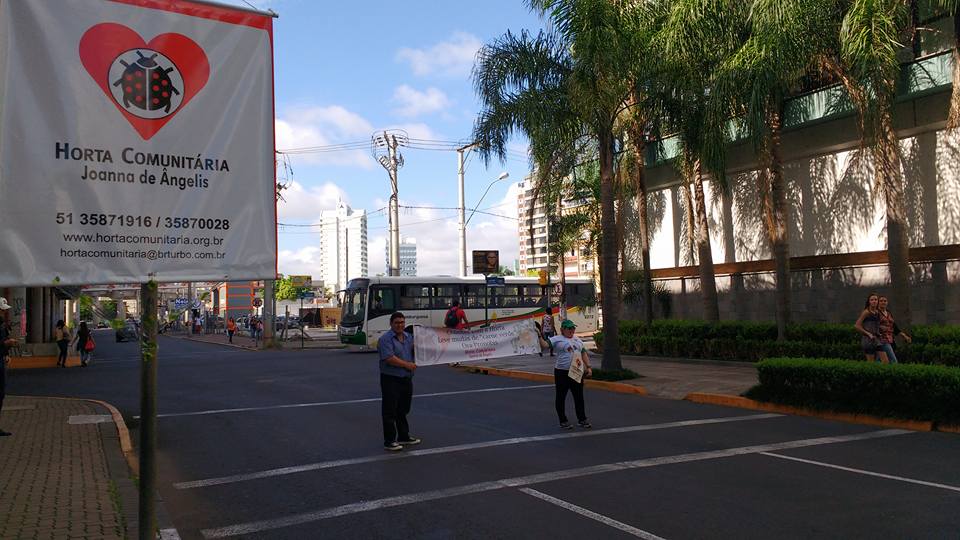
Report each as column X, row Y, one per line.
column 146, row 83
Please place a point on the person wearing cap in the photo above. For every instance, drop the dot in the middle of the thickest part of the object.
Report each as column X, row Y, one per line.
column 5, row 343
column 568, row 348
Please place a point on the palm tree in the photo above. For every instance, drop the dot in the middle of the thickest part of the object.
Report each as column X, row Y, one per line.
column 869, row 44
column 783, row 44
column 695, row 38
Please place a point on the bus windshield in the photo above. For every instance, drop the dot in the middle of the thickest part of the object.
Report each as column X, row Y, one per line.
column 354, row 302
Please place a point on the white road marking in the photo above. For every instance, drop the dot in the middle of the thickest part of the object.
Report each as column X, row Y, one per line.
column 346, row 402
column 864, row 472
column 522, row 481
column 169, row 534
column 269, row 473
column 639, row 533
column 79, row 419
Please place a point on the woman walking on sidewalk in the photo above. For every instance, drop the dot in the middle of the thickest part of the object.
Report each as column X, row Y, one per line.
column 61, row 334
column 868, row 324
column 82, row 339
column 888, row 330
column 231, row 329
column 569, row 349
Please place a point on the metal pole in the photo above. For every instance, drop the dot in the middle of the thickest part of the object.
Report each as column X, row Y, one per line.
column 394, row 208
column 463, row 210
column 269, row 313
column 301, row 320
column 190, row 306
column 486, row 302
column 148, row 411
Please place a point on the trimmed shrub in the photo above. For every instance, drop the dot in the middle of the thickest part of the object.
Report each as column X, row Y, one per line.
column 914, row 392
column 614, row 375
column 752, row 341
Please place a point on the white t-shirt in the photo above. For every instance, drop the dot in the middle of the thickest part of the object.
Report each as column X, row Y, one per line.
column 566, row 350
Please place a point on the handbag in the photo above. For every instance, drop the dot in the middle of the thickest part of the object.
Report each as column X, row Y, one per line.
column 89, row 345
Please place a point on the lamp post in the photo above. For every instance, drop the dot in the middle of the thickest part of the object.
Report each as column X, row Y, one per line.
column 464, row 222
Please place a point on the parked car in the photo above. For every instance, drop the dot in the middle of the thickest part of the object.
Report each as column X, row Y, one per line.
column 129, row 332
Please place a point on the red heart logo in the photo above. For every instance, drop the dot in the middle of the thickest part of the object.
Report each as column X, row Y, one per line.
column 148, row 82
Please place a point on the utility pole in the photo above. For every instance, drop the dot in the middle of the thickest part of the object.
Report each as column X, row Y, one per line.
column 384, row 149
column 148, row 411
column 463, row 226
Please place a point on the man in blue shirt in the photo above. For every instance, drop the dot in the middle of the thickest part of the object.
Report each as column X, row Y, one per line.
column 397, row 365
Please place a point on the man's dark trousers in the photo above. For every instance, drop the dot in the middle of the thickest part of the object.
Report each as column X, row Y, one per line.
column 397, row 394
column 3, row 380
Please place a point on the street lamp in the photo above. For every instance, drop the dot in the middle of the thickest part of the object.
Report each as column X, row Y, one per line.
column 463, row 223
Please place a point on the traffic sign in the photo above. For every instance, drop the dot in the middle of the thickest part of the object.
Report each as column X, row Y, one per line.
column 257, row 302
column 308, row 295
column 496, row 281
column 180, row 303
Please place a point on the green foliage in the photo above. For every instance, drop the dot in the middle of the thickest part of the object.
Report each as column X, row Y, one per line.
column 917, row 392
column 108, row 309
column 283, row 289
column 117, row 324
column 85, row 304
column 753, row 341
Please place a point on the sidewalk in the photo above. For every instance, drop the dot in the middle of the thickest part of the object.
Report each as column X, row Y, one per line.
column 316, row 339
column 63, row 473
column 661, row 377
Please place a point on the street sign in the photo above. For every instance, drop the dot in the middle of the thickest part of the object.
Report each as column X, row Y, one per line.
column 496, row 281
column 197, row 304
column 486, row 262
column 301, row 281
column 257, row 302
column 308, row 295
column 180, row 303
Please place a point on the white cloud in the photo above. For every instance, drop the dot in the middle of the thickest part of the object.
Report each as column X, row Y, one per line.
column 305, row 203
column 436, row 232
column 413, row 102
column 304, row 261
column 324, row 126
column 453, row 57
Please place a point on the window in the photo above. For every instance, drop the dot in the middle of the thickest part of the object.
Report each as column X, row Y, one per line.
column 444, row 295
column 473, row 296
column 415, row 297
column 533, row 296
column 383, row 301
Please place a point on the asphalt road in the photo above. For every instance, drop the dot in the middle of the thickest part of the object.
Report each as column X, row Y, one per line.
column 288, row 445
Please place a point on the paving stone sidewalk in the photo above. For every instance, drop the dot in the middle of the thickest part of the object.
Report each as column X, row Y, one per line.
column 667, row 378
column 62, row 474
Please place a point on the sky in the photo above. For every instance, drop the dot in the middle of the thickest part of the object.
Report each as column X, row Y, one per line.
column 344, row 70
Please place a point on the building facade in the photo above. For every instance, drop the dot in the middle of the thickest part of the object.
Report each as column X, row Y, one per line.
column 534, row 251
column 343, row 245
column 408, row 256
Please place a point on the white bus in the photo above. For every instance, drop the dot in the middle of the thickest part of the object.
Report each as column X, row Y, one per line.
column 369, row 302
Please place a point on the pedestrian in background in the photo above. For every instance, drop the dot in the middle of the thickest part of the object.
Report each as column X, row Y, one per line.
column 61, row 334
column 6, row 342
column 547, row 326
column 85, row 344
column 568, row 349
column 868, row 324
column 455, row 317
column 397, row 364
column 889, row 330
column 231, row 329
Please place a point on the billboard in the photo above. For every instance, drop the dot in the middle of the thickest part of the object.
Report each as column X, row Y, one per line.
column 486, row 262
column 136, row 142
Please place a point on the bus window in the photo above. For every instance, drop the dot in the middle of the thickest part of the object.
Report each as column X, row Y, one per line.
column 473, row 296
column 533, row 296
column 444, row 295
column 508, row 296
column 415, row 297
column 354, row 302
column 382, row 301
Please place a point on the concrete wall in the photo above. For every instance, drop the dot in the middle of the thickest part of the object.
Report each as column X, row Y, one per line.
column 835, row 207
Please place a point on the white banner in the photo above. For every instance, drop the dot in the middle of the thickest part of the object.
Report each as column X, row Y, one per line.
column 447, row 345
column 136, row 142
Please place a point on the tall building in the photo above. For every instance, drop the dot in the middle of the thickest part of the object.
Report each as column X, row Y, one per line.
column 343, row 245
column 408, row 256
column 534, row 255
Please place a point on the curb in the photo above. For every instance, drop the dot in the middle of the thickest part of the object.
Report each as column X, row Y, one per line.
column 126, row 446
column 620, row 388
column 746, row 403
column 233, row 345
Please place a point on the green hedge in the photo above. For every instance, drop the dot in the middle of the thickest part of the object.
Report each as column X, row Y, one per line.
column 751, row 341
column 915, row 392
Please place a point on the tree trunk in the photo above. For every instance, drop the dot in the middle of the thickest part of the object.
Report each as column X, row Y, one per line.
column 887, row 157
column 608, row 261
column 637, row 137
column 775, row 214
column 708, row 281
column 621, row 251
column 691, row 223
column 953, row 119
